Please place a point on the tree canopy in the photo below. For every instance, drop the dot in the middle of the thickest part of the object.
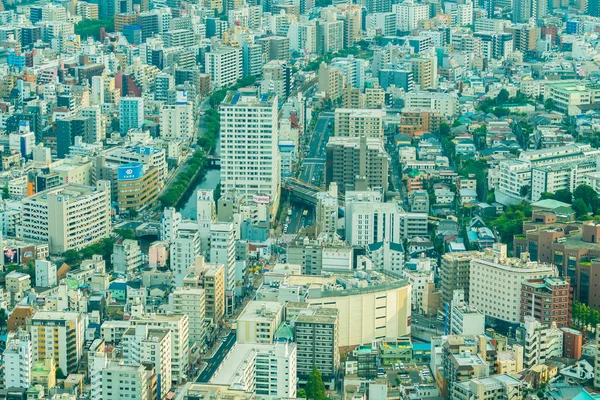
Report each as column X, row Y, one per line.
column 315, row 388
column 91, row 27
column 510, row 223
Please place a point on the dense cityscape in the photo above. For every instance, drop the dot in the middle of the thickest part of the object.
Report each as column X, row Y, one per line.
column 282, row 199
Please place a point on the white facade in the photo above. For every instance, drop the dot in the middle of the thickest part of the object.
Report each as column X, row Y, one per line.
column 177, row 122
column 18, row 361
column 540, row 342
column 264, row 369
column 131, row 113
column 169, row 224
column 127, row 257
column 249, row 146
column 191, row 302
column 303, row 37
column 222, row 251
column 444, row 103
column 495, row 282
column 144, row 345
column 372, row 222
column 205, row 215
column 224, row 66
column 180, row 346
column 465, row 320
column 183, row 251
column 118, row 379
column 45, row 273
column 409, row 14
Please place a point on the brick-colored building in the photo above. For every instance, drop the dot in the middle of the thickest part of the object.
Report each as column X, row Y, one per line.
column 416, row 122
column 547, row 300
column 572, row 343
column 571, row 246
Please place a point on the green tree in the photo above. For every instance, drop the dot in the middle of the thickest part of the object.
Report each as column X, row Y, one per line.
column 72, row 257
column 546, row 196
column 563, row 195
column 91, row 27
column 315, row 388
column 301, row 394
column 579, row 207
column 548, row 104
column 525, row 190
column 3, row 318
column 502, row 97
column 5, row 194
column 60, row 374
column 444, row 129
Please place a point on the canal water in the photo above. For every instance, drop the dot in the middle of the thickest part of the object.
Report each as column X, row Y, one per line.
column 210, row 181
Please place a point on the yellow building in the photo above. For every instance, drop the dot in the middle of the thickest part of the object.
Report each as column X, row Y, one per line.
column 136, row 188
column 44, row 373
column 424, row 72
column 259, row 322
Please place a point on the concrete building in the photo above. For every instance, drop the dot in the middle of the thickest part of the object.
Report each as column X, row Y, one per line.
column 277, row 77
column 409, row 14
column 142, row 344
column 117, row 379
column 183, row 251
column 137, row 187
column 45, row 273
column 356, row 122
column 59, row 336
column 424, row 71
column 177, row 122
column 127, row 257
column 454, row 275
column 131, row 113
column 261, row 369
column 316, row 333
column 259, row 321
column 317, row 257
column 180, row 345
column 222, row 251
column 387, row 256
column 370, row 222
column 249, row 152
column 540, row 342
column 356, row 163
column 169, row 224
column 465, row 320
column 192, row 302
column 55, row 216
column 547, row 300
column 18, row 361
column 327, row 212
column 442, row 103
column 491, row 388
column 224, row 66
column 568, row 96
column 495, row 282
column 461, row 362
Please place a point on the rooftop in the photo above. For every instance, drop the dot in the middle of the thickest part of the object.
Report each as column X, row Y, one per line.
column 261, row 311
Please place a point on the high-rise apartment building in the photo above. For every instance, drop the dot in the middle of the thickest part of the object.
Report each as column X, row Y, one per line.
column 540, row 342
column 224, row 66
column 192, row 302
column 18, row 361
column 142, row 344
column 177, row 122
column 222, row 251
column 178, row 324
column 316, row 335
column 58, row 335
column 131, row 113
column 454, row 275
column 118, row 379
column 409, row 14
column 184, row 250
column 357, row 122
column 249, row 146
column 356, row 163
column 68, row 217
column 495, row 282
column 547, row 300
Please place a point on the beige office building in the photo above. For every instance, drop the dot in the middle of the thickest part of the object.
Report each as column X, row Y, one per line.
column 68, row 217
column 259, row 322
column 359, row 122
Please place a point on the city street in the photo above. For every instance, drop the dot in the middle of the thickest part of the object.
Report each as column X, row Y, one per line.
column 313, row 164
column 214, row 362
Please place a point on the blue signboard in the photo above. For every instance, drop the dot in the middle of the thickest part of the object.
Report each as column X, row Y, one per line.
column 129, row 172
